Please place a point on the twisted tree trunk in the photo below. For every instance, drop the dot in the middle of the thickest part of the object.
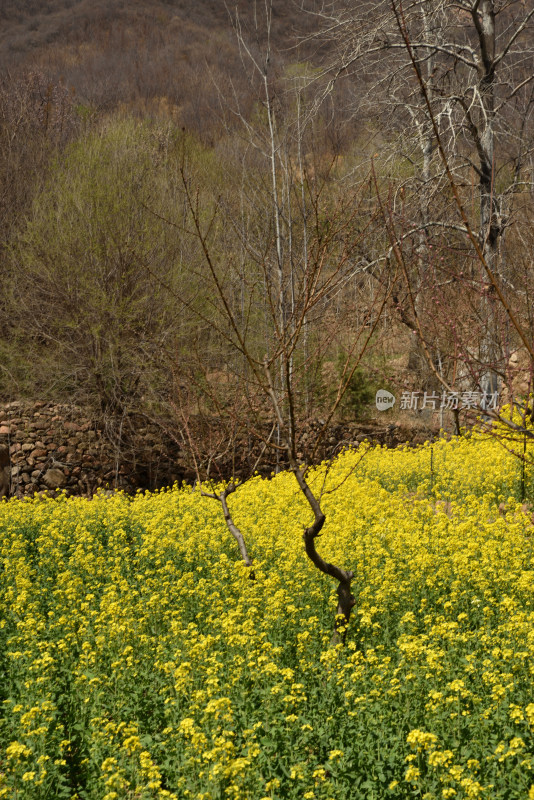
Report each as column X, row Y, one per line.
column 346, row 600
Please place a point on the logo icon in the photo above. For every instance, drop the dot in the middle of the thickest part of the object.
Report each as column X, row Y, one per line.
column 384, row 400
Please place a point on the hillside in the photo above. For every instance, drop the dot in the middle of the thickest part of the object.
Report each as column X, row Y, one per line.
column 38, row 24
column 143, row 52
column 180, row 189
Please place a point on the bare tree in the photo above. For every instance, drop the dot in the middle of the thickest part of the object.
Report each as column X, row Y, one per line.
column 488, row 130
column 456, row 80
column 36, row 121
column 291, row 253
column 270, row 396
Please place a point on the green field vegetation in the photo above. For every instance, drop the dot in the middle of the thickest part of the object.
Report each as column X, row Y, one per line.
column 138, row 659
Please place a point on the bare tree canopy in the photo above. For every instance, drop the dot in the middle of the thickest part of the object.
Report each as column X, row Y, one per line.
column 452, row 87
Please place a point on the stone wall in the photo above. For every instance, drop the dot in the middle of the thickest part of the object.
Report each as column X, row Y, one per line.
column 54, row 447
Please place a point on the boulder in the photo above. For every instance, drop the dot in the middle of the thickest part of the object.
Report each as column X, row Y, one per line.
column 54, row 478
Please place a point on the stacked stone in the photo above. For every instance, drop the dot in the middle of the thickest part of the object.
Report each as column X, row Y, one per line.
column 53, row 448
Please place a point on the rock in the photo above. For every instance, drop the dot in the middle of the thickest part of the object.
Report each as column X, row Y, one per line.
column 71, row 426
column 5, row 430
column 39, row 453
column 54, row 478
column 5, row 471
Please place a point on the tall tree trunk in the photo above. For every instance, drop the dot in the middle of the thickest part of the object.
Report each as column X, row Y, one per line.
column 490, row 232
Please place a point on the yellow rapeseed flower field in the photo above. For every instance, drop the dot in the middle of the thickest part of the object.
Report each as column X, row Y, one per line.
column 138, row 660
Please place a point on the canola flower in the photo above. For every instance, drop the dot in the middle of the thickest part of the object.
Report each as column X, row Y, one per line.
column 137, row 659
